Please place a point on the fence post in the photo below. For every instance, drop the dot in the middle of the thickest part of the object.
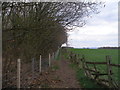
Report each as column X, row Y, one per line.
column 18, row 73
column 109, row 70
column 33, row 68
column 49, row 60
column 40, row 65
column 79, row 61
column 85, row 66
column 96, row 77
column 53, row 55
column 75, row 58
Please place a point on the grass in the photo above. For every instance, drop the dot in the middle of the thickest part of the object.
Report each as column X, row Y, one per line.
column 84, row 81
column 55, row 67
column 45, row 86
column 57, row 78
column 96, row 55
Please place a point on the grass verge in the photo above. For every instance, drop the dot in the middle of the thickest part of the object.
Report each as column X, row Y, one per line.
column 84, row 81
column 55, row 67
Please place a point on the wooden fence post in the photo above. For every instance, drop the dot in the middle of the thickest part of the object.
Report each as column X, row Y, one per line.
column 95, row 68
column 40, row 65
column 109, row 70
column 85, row 66
column 49, row 60
column 79, row 61
column 74, row 61
column 53, row 56
column 18, row 73
column 33, row 62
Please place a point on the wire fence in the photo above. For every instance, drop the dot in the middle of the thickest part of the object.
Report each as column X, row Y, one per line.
column 22, row 75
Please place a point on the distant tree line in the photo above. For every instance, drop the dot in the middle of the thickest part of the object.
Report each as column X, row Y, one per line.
column 109, row 48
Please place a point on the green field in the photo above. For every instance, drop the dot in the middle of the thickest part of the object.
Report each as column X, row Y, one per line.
column 99, row 55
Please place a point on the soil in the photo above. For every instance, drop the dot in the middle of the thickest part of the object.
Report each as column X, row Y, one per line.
column 61, row 77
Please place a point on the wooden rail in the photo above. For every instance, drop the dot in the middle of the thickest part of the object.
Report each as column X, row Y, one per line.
column 116, row 65
column 96, row 62
column 93, row 72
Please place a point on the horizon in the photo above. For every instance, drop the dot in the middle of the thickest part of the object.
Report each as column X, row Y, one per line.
column 102, row 33
column 92, row 47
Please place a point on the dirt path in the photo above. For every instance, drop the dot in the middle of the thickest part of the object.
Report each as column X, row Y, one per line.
column 61, row 77
column 67, row 75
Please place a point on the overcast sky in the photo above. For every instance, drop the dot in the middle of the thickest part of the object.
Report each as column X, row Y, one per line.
column 100, row 30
